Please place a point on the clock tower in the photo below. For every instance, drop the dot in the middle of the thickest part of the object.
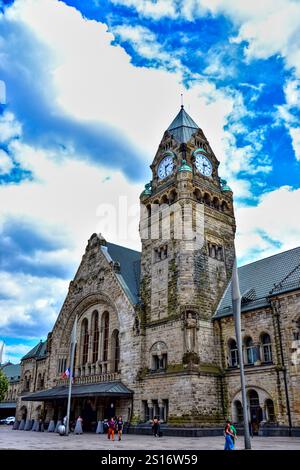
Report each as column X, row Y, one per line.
column 187, row 230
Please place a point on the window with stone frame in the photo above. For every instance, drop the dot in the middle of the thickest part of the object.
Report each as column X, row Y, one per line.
column 238, row 411
column 95, row 333
column 39, row 381
column 160, row 253
column 296, row 330
column 85, row 341
column 270, row 410
column 105, row 329
column 233, row 353
column 159, row 362
column 266, row 347
column 115, row 343
column 165, row 410
column 215, row 251
column 146, row 411
column 250, row 351
column 62, row 365
column 159, row 356
column 27, row 380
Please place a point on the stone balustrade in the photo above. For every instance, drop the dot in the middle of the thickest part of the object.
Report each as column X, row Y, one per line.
column 91, row 379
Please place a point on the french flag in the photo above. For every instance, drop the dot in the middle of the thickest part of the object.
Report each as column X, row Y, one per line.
column 66, row 373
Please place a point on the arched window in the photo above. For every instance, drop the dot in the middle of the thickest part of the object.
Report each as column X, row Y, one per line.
column 115, row 350
column 105, row 329
column 85, row 341
column 255, row 409
column 266, row 347
column 198, row 195
column 27, row 383
column 270, row 412
column 216, row 203
column 95, row 326
column 296, row 332
column 39, row 380
column 238, row 411
column 224, row 206
column 233, row 351
column 250, row 350
column 159, row 356
column 207, row 199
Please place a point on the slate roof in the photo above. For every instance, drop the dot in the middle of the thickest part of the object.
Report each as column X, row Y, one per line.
column 38, row 352
column 259, row 280
column 182, row 127
column 130, row 268
column 116, row 389
column 12, row 371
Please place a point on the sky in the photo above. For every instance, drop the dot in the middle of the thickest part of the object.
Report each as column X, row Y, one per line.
column 87, row 89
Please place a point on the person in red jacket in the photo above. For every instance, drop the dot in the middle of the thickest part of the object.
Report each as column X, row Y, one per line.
column 111, row 429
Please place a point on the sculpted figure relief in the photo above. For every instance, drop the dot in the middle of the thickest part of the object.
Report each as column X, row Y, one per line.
column 190, row 332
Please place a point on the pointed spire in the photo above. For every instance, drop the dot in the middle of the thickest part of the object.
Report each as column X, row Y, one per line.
column 183, row 126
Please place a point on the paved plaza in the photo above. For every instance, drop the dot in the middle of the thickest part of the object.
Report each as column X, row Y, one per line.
column 30, row 440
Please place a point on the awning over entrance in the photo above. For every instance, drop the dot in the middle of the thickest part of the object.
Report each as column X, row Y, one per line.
column 8, row 404
column 105, row 389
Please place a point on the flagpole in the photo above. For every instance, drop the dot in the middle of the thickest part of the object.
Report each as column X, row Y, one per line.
column 72, row 350
column 236, row 305
column 1, row 352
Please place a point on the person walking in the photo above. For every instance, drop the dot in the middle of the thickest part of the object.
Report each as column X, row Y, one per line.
column 111, row 429
column 155, row 426
column 229, row 436
column 120, row 427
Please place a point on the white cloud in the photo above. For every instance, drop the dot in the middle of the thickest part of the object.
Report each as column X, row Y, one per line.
column 295, row 135
column 262, row 229
column 151, row 8
column 9, row 127
column 21, row 313
column 13, row 352
column 67, row 194
column 269, row 26
column 286, row 113
column 6, row 163
column 145, row 43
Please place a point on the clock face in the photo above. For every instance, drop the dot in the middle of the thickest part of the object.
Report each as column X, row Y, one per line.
column 165, row 167
column 203, row 165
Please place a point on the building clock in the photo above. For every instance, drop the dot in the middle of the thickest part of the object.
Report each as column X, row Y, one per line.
column 202, row 163
column 165, row 168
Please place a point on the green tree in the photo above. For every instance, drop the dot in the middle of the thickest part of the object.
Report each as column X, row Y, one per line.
column 3, row 385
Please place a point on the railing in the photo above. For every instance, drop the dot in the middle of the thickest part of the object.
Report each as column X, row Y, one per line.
column 91, row 379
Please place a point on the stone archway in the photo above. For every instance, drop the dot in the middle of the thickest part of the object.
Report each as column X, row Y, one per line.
column 257, row 401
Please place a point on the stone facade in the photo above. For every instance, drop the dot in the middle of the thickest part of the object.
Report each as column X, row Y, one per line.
column 165, row 344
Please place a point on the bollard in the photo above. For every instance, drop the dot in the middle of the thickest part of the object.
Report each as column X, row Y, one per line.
column 22, row 425
column 51, row 427
column 59, row 422
column 28, row 425
column 100, row 429
column 35, row 426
